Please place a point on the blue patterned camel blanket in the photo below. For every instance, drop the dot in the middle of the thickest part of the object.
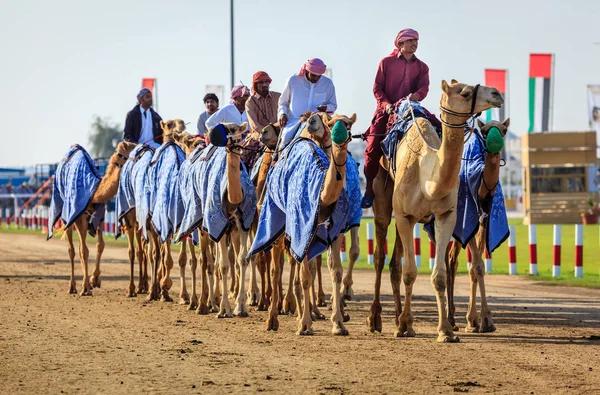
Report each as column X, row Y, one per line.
column 132, row 193
column 75, row 182
column 469, row 207
column 210, row 184
column 166, row 206
column 291, row 204
column 192, row 204
column 354, row 194
column 404, row 121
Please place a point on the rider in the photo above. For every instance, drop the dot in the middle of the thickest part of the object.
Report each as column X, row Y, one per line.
column 399, row 75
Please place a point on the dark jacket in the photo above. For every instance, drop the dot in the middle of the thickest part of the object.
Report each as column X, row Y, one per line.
column 133, row 125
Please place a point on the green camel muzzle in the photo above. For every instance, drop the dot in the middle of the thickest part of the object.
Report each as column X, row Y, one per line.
column 494, row 141
column 339, row 133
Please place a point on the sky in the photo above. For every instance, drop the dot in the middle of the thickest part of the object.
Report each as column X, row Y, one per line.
column 66, row 61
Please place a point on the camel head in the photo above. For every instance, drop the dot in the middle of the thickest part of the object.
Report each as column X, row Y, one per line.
column 316, row 127
column 466, row 100
column 187, row 142
column 347, row 121
column 270, row 134
column 171, row 127
column 493, row 133
column 227, row 134
column 123, row 150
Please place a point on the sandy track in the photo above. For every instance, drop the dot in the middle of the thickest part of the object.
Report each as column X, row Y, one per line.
column 51, row 342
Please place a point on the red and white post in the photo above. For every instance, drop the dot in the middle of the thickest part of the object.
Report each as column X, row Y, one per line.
column 469, row 258
column 512, row 251
column 579, row 251
column 431, row 254
column 556, row 243
column 417, row 238
column 370, row 246
column 488, row 261
column 533, row 268
column 343, row 254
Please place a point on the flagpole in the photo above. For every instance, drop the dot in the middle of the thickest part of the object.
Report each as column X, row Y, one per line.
column 231, row 38
column 156, row 94
column 551, row 105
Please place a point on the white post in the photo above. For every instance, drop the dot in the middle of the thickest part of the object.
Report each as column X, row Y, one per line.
column 579, row 250
column 370, row 247
column 556, row 247
column 533, row 268
column 512, row 251
column 417, row 242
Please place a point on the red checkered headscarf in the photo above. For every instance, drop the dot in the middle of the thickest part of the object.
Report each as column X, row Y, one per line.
column 402, row 36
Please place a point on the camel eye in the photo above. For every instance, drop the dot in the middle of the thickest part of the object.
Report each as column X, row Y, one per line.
column 465, row 94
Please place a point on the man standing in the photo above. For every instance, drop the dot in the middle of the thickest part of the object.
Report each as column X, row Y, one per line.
column 142, row 124
column 211, row 102
column 399, row 75
column 309, row 90
column 234, row 112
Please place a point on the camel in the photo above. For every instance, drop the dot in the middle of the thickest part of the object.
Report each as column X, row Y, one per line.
column 333, row 177
column 225, row 196
column 101, row 190
column 166, row 211
column 425, row 182
column 487, row 188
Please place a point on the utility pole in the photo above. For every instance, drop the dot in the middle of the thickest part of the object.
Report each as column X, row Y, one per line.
column 231, row 37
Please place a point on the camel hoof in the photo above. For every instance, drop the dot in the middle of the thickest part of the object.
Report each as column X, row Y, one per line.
column 224, row 315
column 340, row 332
column 448, row 339
column 86, row 293
column 308, row 332
column 72, row 291
column 372, row 326
column 241, row 314
column 321, row 303
column 348, row 293
column 455, row 328
column 272, row 328
column 272, row 324
column 183, row 301
column 262, row 307
column 202, row 309
column 488, row 328
column 346, row 317
column 407, row 333
column 471, row 329
column 166, row 298
column 318, row 317
column 131, row 294
column 95, row 282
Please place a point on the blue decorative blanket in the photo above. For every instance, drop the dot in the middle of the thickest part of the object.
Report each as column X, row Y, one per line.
column 188, row 174
column 211, row 186
column 354, row 194
column 75, row 182
column 469, row 208
column 131, row 193
column 166, row 206
column 291, row 204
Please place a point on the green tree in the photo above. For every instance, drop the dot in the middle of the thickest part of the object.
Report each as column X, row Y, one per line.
column 103, row 137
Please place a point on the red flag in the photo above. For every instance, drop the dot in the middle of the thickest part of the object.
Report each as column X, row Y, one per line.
column 496, row 78
column 148, row 83
column 540, row 65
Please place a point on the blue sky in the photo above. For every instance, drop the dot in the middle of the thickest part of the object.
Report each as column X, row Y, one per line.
column 65, row 61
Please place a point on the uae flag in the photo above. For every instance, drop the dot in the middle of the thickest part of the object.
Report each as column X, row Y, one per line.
column 540, row 92
column 499, row 80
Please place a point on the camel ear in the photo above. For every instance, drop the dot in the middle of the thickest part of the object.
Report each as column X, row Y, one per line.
column 353, row 117
column 453, row 81
column 445, row 87
column 162, row 124
column 506, row 123
column 243, row 126
column 480, row 124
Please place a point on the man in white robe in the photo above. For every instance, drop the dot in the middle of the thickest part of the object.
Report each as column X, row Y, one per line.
column 309, row 90
column 234, row 112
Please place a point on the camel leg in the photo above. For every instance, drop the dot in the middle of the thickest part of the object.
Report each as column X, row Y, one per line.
column 382, row 209
column 184, row 296
column 337, row 271
column 204, row 283
column 95, row 280
column 305, row 321
column 242, row 261
column 486, row 321
column 253, row 292
column 289, row 303
column 155, row 263
column 84, row 253
column 444, row 225
column 132, row 252
column 261, row 264
column 316, row 314
column 233, row 240
column 298, row 291
column 409, row 275
column 276, row 252
column 165, row 281
column 214, row 278
column 193, row 266
column 71, row 249
column 451, row 267
column 142, row 256
column 321, row 294
column 396, row 276
column 354, row 255
column 224, row 264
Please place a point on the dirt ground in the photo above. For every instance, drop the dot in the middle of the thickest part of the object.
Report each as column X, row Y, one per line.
column 51, row 342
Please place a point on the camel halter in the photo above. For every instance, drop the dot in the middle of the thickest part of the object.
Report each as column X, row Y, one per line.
column 469, row 115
